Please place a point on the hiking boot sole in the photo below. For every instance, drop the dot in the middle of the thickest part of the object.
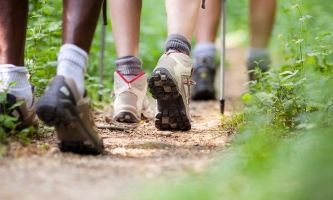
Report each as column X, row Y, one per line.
column 62, row 114
column 171, row 108
column 126, row 117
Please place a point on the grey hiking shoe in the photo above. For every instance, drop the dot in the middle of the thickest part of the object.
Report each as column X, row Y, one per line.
column 263, row 65
column 170, row 86
column 203, row 75
column 62, row 106
column 26, row 116
column 131, row 101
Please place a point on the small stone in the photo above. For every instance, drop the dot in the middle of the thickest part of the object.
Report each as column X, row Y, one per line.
column 54, row 150
column 165, row 133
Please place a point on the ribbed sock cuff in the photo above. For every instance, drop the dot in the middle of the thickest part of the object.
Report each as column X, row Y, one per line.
column 262, row 56
column 204, row 50
column 129, row 65
column 73, row 62
column 178, row 42
column 11, row 73
column 73, row 54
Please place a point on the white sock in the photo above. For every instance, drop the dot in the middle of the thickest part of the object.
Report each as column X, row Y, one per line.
column 73, row 62
column 11, row 73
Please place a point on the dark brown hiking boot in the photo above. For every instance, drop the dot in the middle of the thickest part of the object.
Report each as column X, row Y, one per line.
column 62, row 106
column 203, row 75
column 26, row 116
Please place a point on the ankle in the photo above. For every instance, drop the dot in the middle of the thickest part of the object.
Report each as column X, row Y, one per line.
column 257, row 54
column 129, row 66
column 179, row 43
column 204, row 50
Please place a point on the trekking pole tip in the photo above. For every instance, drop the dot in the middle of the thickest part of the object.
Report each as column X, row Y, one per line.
column 222, row 101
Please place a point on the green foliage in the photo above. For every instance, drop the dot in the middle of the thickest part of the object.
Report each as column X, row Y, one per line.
column 8, row 123
column 43, row 42
column 283, row 148
column 275, row 96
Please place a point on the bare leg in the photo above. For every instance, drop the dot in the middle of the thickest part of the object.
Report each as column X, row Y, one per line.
column 208, row 21
column 79, row 22
column 66, row 90
column 182, row 16
column 170, row 81
column 129, row 104
column 262, row 14
column 126, row 27
column 204, row 51
column 13, row 25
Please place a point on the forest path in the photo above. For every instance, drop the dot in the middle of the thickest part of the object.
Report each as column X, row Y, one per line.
column 140, row 153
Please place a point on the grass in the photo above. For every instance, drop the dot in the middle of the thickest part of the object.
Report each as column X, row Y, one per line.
column 283, row 148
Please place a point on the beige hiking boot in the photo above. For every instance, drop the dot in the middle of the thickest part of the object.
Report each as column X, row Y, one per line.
column 62, row 106
column 131, row 101
column 170, row 86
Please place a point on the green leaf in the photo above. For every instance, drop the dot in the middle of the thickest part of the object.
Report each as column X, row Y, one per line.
column 12, row 83
column 261, row 95
column 26, row 141
column 247, row 98
column 330, row 110
column 300, row 81
column 3, row 96
column 301, row 104
column 288, row 85
column 289, row 72
column 46, row 11
column 2, row 118
column 45, row 147
column 9, row 122
column 24, row 133
column 16, row 105
column 288, row 106
column 32, row 129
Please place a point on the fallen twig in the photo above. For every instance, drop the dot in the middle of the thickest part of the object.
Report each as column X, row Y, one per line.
column 112, row 127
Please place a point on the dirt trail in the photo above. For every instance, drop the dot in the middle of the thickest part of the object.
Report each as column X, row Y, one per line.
column 138, row 153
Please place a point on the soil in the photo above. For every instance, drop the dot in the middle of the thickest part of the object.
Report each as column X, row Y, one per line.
column 136, row 154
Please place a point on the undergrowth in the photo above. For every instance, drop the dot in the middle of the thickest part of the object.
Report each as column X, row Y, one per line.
column 282, row 149
column 44, row 41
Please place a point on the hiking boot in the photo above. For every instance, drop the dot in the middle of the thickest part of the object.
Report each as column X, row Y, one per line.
column 170, row 86
column 203, row 75
column 263, row 65
column 62, row 106
column 26, row 116
column 131, row 102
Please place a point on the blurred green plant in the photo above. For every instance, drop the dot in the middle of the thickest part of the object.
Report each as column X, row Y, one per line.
column 9, row 123
column 282, row 149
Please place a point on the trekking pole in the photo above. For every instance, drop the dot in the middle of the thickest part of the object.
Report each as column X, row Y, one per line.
column 102, row 47
column 222, row 64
